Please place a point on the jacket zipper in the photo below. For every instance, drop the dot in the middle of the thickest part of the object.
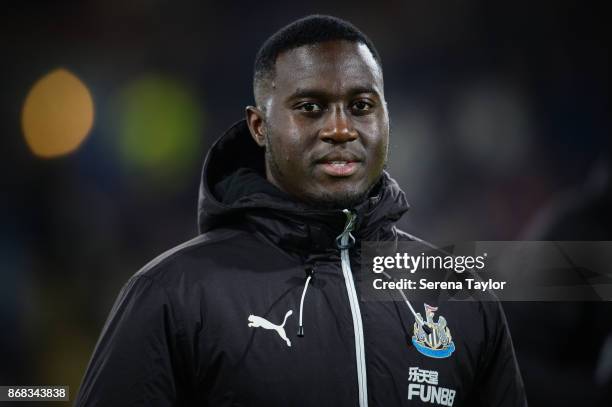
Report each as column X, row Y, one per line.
column 345, row 241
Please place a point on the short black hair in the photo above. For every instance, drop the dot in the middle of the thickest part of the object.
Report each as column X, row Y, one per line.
column 309, row 30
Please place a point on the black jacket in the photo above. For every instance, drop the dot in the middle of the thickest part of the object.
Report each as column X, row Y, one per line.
column 214, row 321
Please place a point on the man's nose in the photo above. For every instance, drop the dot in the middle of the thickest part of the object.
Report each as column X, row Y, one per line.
column 338, row 127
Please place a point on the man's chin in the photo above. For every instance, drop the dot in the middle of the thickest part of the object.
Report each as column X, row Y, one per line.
column 342, row 199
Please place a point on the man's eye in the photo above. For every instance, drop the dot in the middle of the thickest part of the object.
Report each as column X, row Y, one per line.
column 309, row 107
column 362, row 106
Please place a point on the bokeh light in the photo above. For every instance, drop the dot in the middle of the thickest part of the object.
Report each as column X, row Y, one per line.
column 493, row 127
column 57, row 115
column 159, row 124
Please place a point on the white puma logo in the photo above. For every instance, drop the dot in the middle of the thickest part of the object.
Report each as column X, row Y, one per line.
column 259, row 322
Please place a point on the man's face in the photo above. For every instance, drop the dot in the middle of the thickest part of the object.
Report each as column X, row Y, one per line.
column 325, row 124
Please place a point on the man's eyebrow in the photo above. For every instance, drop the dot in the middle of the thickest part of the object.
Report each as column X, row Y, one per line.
column 309, row 93
column 362, row 89
column 323, row 94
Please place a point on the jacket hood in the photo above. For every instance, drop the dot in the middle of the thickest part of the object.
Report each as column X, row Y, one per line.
column 234, row 191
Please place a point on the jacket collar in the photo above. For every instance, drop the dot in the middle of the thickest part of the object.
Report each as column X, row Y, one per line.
column 265, row 210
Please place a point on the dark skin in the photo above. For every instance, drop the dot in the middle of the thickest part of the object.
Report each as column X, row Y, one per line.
column 324, row 123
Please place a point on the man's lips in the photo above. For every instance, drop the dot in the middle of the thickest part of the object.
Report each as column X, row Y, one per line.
column 339, row 168
column 339, row 164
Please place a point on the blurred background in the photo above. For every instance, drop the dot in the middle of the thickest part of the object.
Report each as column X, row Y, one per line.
column 499, row 115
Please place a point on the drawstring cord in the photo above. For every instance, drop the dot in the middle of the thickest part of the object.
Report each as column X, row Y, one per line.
column 345, row 240
column 309, row 274
column 417, row 317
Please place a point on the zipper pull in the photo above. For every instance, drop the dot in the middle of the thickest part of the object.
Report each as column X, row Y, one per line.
column 346, row 240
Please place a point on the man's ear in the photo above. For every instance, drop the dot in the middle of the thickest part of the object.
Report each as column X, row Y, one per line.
column 255, row 121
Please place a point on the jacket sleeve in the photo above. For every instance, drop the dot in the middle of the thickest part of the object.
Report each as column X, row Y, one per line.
column 134, row 360
column 499, row 382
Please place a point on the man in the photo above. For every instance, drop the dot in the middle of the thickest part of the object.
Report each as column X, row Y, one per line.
column 262, row 309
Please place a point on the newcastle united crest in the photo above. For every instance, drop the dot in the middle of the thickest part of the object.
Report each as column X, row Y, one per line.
column 431, row 338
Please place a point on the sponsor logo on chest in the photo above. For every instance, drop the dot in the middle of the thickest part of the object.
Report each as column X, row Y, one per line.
column 423, row 385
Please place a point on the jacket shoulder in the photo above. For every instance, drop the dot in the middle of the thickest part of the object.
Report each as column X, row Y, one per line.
column 204, row 245
column 404, row 236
